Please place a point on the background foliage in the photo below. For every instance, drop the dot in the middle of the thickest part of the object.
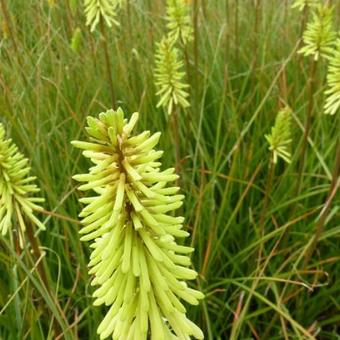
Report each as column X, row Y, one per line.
column 242, row 68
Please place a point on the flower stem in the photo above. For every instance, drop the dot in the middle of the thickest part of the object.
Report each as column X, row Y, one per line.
column 108, row 63
column 264, row 211
column 175, row 136
column 195, row 25
column 308, row 126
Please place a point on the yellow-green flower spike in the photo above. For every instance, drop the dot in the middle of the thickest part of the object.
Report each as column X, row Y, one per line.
column 179, row 21
column 319, row 36
column 302, row 4
column 96, row 10
column 17, row 203
column 169, row 79
column 137, row 266
column 333, row 81
column 280, row 138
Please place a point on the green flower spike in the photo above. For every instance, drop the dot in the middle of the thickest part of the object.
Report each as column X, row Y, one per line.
column 319, row 36
column 169, row 77
column 179, row 21
column 333, row 81
column 301, row 4
column 16, row 187
column 280, row 138
column 137, row 265
column 96, row 10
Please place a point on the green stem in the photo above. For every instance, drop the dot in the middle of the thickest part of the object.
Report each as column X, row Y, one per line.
column 108, row 63
column 175, row 136
column 237, row 50
column 195, row 25
column 256, row 32
column 15, row 284
column 308, row 126
column 264, row 211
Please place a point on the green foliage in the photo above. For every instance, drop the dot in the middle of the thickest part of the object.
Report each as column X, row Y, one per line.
column 17, row 204
column 179, row 21
column 332, row 104
column 280, row 137
column 319, row 36
column 136, row 262
column 96, row 10
column 302, row 4
column 170, row 84
column 46, row 93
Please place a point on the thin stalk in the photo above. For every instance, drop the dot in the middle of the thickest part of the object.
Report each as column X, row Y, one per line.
column 15, row 282
column 37, row 254
column 195, row 25
column 227, row 35
column 187, row 64
column 268, row 189
column 256, row 32
column 319, row 227
column 204, row 8
column 68, row 19
column 303, row 21
column 237, row 50
column 107, row 62
column 175, row 137
column 128, row 13
column 13, row 39
column 308, row 125
column 198, row 210
column 188, row 114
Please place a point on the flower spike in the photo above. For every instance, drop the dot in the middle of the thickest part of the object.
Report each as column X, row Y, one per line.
column 333, row 81
column 302, row 4
column 169, row 77
column 138, row 268
column 17, row 205
column 96, row 10
column 319, row 36
column 280, row 138
column 179, row 21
